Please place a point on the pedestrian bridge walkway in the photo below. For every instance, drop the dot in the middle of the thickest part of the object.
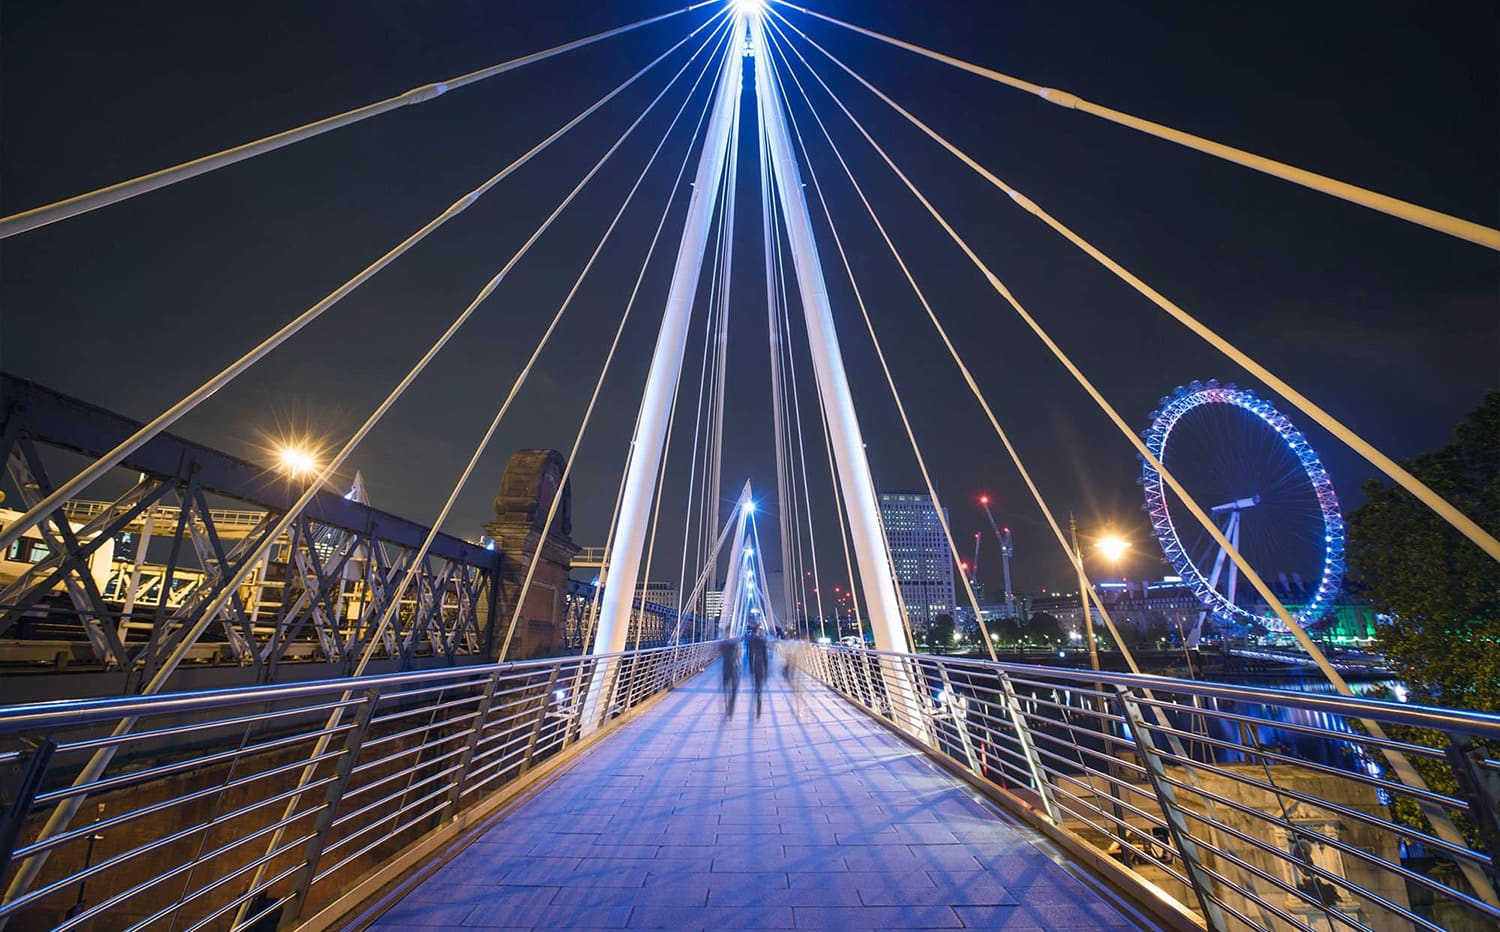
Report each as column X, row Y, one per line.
column 611, row 791
column 810, row 816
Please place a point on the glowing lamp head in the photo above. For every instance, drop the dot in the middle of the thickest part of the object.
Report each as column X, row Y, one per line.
column 296, row 461
column 984, row 499
column 749, row 508
column 749, row 7
column 1113, row 548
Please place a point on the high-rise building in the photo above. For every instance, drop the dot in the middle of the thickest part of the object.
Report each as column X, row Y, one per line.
column 919, row 551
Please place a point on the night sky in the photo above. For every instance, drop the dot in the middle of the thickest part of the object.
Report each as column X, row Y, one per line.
column 1393, row 328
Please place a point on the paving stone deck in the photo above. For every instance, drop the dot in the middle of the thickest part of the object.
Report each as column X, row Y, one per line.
column 810, row 817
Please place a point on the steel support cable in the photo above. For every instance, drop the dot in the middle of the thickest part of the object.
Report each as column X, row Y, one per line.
column 812, row 544
column 1015, row 457
column 661, row 481
column 64, row 813
column 798, row 489
column 839, row 508
column 1412, row 213
column 723, row 273
column 703, row 415
column 726, row 257
column 779, row 429
column 875, row 341
column 113, row 194
column 687, row 518
column 795, row 452
column 708, row 507
column 161, row 422
column 1393, row 470
column 531, row 361
column 1402, row 767
column 634, row 293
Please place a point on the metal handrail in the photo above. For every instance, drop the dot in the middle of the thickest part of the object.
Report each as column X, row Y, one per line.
column 1239, row 831
column 409, row 753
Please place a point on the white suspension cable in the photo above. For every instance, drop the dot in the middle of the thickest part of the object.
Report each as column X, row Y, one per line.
column 963, row 368
column 64, row 813
column 417, row 559
column 161, row 422
column 124, row 190
column 1399, row 764
column 875, row 341
column 726, row 272
column 779, row 425
column 1444, row 509
column 525, row 371
column 1412, row 213
column 688, row 539
column 812, row 546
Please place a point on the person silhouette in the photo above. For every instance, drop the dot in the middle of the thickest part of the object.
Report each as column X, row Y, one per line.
column 759, row 664
column 729, row 659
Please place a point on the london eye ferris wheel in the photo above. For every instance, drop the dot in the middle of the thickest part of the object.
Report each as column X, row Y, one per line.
column 1265, row 489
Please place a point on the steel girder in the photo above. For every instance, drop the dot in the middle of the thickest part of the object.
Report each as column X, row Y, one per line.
column 319, row 593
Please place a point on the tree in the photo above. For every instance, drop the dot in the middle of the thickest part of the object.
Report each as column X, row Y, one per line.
column 1044, row 629
column 940, row 632
column 1442, row 592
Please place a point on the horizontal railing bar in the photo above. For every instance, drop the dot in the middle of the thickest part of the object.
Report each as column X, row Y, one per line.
column 1345, row 811
column 377, row 842
column 1399, row 789
column 1258, row 900
column 124, row 856
column 1358, row 853
column 364, row 766
column 348, row 817
column 396, row 775
column 195, row 727
column 221, row 881
column 250, row 894
column 1317, row 871
column 48, row 716
column 1310, row 730
column 396, row 715
column 1398, row 713
column 105, row 825
column 154, row 773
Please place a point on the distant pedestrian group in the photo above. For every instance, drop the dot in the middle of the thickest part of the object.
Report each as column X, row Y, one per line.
column 758, row 652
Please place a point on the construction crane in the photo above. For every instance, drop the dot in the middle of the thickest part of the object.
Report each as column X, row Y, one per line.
column 1007, row 550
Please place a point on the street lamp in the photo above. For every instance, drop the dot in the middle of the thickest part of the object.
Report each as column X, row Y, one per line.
column 1113, row 547
column 297, row 461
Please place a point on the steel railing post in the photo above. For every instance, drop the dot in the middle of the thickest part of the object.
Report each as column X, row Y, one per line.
column 481, row 712
column 958, row 712
column 1481, row 788
column 1166, row 797
column 1028, row 748
column 14, row 819
column 332, row 797
column 541, row 719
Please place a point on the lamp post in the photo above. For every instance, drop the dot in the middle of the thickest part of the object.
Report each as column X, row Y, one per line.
column 1113, row 548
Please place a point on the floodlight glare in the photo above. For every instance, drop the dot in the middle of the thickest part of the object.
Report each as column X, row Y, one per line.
column 1113, row 548
column 296, row 461
column 749, row 7
column 749, row 508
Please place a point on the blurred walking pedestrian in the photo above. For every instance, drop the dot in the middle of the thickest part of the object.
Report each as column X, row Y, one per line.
column 729, row 661
column 760, row 663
